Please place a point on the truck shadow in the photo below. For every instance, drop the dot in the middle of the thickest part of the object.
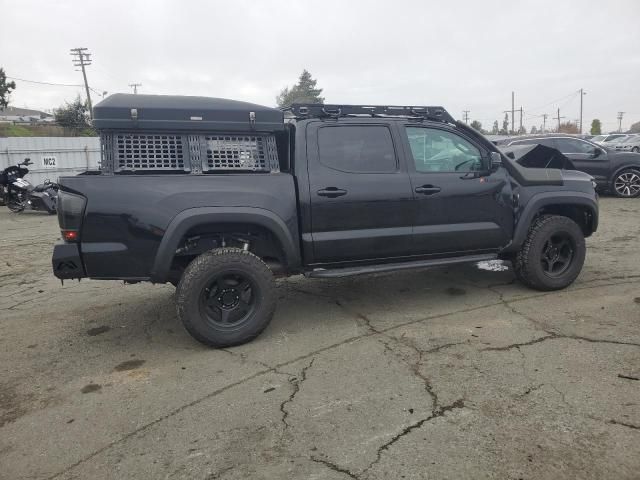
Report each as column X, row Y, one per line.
column 147, row 319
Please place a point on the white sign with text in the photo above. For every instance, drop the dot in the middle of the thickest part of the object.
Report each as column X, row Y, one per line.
column 49, row 161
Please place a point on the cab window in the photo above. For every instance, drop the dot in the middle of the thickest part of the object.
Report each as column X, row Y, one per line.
column 436, row 150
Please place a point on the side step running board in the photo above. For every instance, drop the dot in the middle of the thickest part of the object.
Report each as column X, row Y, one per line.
column 391, row 267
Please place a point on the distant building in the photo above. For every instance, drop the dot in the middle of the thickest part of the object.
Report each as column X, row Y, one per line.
column 24, row 115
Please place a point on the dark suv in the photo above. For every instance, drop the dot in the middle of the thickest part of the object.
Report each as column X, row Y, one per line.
column 614, row 171
column 218, row 197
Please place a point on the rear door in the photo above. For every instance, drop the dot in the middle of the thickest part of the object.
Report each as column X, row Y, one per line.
column 458, row 209
column 360, row 193
column 585, row 156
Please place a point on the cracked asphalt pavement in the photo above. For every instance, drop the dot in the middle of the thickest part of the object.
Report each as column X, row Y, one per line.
column 447, row 373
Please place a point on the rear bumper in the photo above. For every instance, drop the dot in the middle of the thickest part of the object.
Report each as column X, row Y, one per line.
column 66, row 261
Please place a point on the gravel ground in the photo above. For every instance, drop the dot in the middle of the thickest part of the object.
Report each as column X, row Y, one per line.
column 449, row 373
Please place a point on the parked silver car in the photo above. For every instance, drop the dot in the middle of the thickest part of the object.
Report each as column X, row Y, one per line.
column 629, row 144
column 604, row 139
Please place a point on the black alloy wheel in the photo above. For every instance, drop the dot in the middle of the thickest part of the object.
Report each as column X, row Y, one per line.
column 229, row 299
column 557, row 254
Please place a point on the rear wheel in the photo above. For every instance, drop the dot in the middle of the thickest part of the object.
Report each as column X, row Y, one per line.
column 226, row 297
column 552, row 255
column 635, row 149
column 626, row 184
column 15, row 206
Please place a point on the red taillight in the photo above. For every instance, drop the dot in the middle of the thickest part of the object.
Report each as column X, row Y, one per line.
column 70, row 235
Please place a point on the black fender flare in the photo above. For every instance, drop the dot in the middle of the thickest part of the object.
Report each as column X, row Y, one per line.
column 192, row 217
column 544, row 199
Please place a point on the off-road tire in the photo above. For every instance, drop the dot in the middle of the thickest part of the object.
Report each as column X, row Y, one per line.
column 218, row 262
column 528, row 265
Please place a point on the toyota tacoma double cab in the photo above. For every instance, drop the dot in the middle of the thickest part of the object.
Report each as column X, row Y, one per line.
column 219, row 197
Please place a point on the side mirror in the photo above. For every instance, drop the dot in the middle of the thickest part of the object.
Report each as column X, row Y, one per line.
column 597, row 152
column 26, row 162
column 496, row 160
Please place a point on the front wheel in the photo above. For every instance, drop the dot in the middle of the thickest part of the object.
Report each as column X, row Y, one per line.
column 635, row 149
column 626, row 184
column 552, row 255
column 226, row 297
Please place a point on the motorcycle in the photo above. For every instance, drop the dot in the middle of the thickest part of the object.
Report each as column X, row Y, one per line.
column 18, row 194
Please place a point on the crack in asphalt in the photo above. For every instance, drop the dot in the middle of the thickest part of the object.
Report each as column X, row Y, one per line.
column 346, row 341
column 334, row 467
column 297, row 383
column 554, row 336
column 624, row 424
column 438, row 412
column 164, row 417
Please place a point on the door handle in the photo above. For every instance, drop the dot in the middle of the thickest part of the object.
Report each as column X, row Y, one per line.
column 331, row 192
column 427, row 189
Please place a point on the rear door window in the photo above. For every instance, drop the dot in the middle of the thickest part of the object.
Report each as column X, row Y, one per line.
column 572, row 145
column 357, row 148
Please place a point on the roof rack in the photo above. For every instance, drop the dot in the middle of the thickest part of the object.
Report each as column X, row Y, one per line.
column 319, row 110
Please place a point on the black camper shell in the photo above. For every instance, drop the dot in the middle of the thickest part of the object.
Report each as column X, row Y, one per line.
column 172, row 112
column 186, row 134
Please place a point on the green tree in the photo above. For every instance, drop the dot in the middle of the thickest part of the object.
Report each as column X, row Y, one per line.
column 596, row 127
column 73, row 116
column 505, row 125
column 534, row 130
column 304, row 91
column 635, row 128
column 5, row 89
column 476, row 125
column 496, row 129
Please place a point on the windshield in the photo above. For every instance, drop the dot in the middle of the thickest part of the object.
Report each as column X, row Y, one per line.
column 598, row 138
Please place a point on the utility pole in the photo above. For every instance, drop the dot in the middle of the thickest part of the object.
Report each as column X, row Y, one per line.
column 520, row 129
column 82, row 58
column 513, row 111
column 135, row 87
column 582, row 94
column 544, row 122
column 466, row 115
column 559, row 117
column 620, row 115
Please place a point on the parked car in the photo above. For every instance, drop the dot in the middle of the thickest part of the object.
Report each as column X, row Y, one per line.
column 602, row 139
column 614, row 171
column 217, row 197
column 629, row 144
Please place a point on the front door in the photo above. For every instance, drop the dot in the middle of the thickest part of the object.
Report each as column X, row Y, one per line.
column 461, row 206
column 360, row 194
column 585, row 156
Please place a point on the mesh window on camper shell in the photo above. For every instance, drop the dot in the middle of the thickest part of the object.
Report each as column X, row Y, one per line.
column 241, row 152
column 149, row 152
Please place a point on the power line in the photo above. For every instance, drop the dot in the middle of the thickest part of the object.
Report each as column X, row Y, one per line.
column 81, row 59
column 135, row 87
column 46, row 83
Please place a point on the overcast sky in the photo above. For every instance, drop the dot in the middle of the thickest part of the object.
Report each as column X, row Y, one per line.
column 465, row 54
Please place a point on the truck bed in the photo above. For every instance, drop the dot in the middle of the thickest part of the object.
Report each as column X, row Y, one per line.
column 126, row 216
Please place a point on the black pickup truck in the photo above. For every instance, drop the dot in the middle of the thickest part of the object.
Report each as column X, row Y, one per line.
column 218, row 197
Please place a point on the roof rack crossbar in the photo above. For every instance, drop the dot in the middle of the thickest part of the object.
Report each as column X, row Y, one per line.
column 319, row 110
